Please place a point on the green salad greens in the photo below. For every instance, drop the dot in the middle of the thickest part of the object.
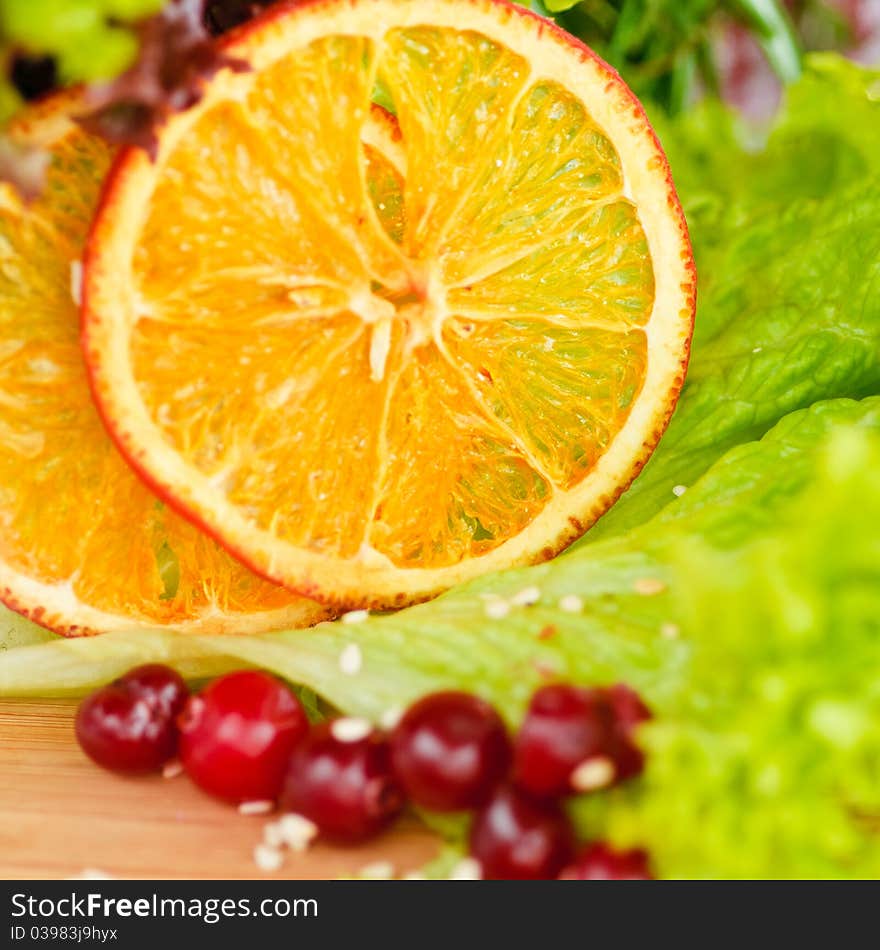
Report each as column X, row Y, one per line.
column 91, row 40
column 745, row 608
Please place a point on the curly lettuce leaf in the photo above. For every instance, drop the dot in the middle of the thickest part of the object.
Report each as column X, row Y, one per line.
column 789, row 264
column 773, row 750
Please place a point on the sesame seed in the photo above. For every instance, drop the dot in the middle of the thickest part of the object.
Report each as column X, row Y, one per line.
column 679, row 490
column 391, row 717
column 350, row 729
column 267, row 858
column 355, row 616
column 296, row 831
column 76, row 282
column 468, row 869
column 351, row 660
column 593, row 773
column 757, row 349
column 648, row 586
column 571, row 604
column 259, row 807
column 378, row 871
column 527, row 597
column 272, row 835
column 497, row 609
column 669, row 631
column 172, row 769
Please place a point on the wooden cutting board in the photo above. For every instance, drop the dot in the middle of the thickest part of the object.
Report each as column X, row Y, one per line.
column 62, row 816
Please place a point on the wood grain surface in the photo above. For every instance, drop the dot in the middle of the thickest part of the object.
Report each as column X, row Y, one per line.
column 61, row 816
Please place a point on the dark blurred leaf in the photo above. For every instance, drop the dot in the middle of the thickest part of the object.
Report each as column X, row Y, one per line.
column 177, row 56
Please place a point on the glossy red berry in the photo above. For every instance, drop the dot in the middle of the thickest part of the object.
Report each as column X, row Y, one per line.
column 599, row 862
column 630, row 711
column 236, row 736
column 515, row 837
column 629, row 707
column 129, row 725
column 577, row 740
column 449, row 751
column 340, row 778
column 159, row 685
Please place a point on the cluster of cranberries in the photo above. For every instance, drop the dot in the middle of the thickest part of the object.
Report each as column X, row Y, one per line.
column 246, row 737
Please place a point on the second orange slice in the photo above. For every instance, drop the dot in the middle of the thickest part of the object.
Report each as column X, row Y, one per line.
column 84, row 546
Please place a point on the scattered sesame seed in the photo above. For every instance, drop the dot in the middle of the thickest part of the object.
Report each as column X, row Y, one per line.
column 272, row 835
column 377, row 871
column 350, row 729
column 355, row 616
column 296, row 831
column 257, row 807
column 669, row 631
column 391, row 717
column 267, row 858
column 571, row 604
column 648, row 586
column 679, row 490
column 527, row 597
column 497, row 609
column 351, row 660
column 76, row 282
column 468, row 869
column 593, row 773
column 757, row 349
column 172, row 769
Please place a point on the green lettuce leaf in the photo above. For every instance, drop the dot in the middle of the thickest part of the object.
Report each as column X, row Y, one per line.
column 789, row 265
column 773, row 749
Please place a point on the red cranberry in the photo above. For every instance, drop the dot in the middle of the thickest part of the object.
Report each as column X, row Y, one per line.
column 628, row 706
column 236, row 736
column 340, row 778
column 449, row 751
column 128, row 726
column 159, row 685
column 630, row 711
column 599, row 862
column 517, row 838
column 577, row 739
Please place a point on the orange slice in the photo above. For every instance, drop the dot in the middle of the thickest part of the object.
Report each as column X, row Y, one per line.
column 84, row 546
column 370, row 414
